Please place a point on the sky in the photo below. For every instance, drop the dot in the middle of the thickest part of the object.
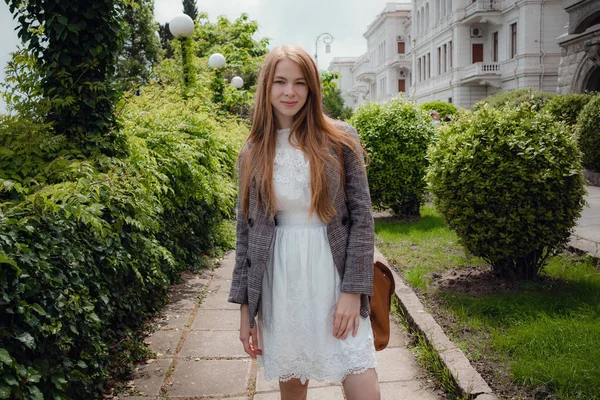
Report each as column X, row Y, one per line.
column 297, row 22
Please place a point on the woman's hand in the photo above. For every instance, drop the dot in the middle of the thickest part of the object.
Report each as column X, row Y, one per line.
column 247, row 334
column 347, row 315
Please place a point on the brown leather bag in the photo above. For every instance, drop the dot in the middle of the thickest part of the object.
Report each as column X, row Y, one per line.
column 383, row 289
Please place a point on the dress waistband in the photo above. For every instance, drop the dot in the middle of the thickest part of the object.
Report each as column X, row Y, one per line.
column 297, row 218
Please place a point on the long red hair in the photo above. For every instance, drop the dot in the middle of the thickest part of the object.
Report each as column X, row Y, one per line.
column 317, row 136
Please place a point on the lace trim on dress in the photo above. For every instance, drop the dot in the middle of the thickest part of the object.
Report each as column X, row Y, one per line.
column 360, row 360
column 291, row 167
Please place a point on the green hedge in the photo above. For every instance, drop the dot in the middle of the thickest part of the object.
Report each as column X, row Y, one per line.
column 445, row 109
column 396, row 136
column 516, row 97
column 567, row 107
column 88, row 247
column 588, row 123
column 509, row 182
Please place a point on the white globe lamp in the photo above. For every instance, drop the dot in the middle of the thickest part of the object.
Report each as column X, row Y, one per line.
column 237, row 82
column 181, row 25
column 217, row 61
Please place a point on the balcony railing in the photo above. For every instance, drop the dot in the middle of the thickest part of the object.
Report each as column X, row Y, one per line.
column 481, row 5
column 481, row 68
column 366, row 72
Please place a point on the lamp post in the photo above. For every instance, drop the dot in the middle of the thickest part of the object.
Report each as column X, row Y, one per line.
column 217, row 62
column 182, row 27
column 327, row 39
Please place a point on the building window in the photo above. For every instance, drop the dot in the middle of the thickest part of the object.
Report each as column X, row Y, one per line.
column 401, row 48
column 450, row 55
column 419, row 70
column 513, row 40
column 439, row 60
column 477, row 53
column 401, row 86
column 445, row 58
column 495, row 50
column 428, row 65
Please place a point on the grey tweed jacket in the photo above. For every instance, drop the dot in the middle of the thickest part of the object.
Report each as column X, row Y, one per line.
column 350, row 234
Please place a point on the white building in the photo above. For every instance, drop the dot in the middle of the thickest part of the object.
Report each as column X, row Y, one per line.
column 465, row 50
column 343, row 65
column 462, row 51
column 385, row 69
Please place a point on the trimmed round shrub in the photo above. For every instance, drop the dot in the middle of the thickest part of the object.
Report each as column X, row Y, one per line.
column 396, row 136
column 589, row 133
column 516, row 97
column 567, row 107
column 445, row 109
column 509, row 182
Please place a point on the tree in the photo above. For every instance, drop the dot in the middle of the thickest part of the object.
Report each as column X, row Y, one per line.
column 189, row 8
column 141, row 50
column 244, row 55
column 76, row 49
column 165, row 37
column 333, row 103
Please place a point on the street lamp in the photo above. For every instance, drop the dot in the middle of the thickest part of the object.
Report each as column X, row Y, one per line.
column 237, row 82
column 217, row 61
column 327, row 39
column 182, row 27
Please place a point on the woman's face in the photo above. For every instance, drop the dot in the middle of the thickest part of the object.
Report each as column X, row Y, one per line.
column 289, row 91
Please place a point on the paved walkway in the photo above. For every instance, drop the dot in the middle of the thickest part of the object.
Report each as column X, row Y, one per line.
column 586, row 235
column 199, row 355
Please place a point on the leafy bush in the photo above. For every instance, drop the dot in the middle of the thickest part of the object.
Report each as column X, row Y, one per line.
column 396, row 136
column 445, row 109
column 567, row 107
column 589, row 136
column 509, row 182
column 88, row 246
column 516, row 97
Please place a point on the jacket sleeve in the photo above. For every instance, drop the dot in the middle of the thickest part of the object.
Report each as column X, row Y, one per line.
column 358, row 270
column 238, row 293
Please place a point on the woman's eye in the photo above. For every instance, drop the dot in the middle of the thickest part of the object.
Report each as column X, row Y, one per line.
column 301, row 83
column 279, row 82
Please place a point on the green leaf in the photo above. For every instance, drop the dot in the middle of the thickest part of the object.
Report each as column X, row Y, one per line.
column 5, row 357
column 26, row 339
column 4, row 391
column 33, row 375
column 35, row 393
column 59, row 381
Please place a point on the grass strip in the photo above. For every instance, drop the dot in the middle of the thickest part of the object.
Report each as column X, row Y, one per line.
column 525, row 338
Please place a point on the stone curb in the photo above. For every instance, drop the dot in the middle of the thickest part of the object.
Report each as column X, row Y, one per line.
column 579, row 244
column 468, row 380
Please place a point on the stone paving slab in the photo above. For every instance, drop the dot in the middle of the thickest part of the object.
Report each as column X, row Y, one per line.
column 218, row 320
column 218, row 301
column 397, row 364
column 213, row 344
column 318, row 393
column 173, row 319
column 409, row 390
column 220, row 285
column 148, row 378
column 209, row 378
column 164, row 342
column 398, row 337
column 183, row 304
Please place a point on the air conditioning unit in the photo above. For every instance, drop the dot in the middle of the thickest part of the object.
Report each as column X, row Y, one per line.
column 476, row 32
column 400, row 37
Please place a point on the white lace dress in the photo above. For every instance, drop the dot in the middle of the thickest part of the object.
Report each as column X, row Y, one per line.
column 301, row 288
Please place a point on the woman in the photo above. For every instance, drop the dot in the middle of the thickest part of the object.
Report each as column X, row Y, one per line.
column 304, row 253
